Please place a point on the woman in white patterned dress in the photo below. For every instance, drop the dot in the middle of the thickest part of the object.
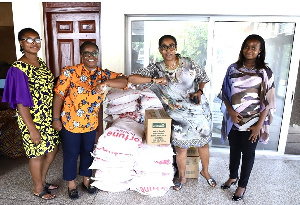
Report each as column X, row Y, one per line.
column 176, row 80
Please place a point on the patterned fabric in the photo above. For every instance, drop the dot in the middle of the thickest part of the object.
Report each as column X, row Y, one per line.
column 40, row 83
column 76, row 86
column 249, row 92
column 191, row 124
column 11, row 137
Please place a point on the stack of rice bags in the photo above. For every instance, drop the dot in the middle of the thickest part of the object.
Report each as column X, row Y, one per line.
column 114, row 155
column 121, row 159
column 154, row 170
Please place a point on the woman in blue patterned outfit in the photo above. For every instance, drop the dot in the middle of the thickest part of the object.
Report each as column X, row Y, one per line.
column 248, row 95
column 175, row 81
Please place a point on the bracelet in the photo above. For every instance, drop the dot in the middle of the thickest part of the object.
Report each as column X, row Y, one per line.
column 55, row 119
column 153, row 80
column 200, row 90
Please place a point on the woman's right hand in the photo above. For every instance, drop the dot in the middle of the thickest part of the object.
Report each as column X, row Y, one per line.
column 100, row 88
column 35, row 136
column 57, row 125
column 235, row 116
column 162, row 81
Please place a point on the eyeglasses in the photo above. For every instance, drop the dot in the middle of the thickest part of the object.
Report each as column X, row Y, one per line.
column 165, row 47
column 89, row 54
column 30, row 40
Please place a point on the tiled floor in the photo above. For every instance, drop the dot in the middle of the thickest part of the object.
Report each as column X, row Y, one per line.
column 274, row 180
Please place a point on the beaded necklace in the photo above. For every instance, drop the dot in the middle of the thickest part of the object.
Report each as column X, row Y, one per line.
column 172, row 66
column 248, row 69
column 171, row 73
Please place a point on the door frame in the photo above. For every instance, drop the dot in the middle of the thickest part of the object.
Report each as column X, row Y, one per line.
column 293, row 72
column 65, row 7
column 294, row 61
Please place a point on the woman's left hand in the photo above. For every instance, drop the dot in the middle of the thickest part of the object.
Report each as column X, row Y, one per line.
column 198, row 95
column 100, row 88
column 255, row 132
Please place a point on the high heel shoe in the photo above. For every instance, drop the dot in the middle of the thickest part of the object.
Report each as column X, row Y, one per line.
column 224, row 186
column 237, row 198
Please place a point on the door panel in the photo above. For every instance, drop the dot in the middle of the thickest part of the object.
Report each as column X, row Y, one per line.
column 69, row 32
column 227, row 40
column 65, row 52
column 67, row 26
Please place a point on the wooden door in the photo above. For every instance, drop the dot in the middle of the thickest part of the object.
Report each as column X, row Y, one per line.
column 67, row 26
column 69, row 32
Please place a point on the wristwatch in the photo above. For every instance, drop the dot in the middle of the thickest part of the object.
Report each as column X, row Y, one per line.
column 200, row 91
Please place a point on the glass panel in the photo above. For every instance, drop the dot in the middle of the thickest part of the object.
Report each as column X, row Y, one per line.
column 227, row 41
column 191, row 39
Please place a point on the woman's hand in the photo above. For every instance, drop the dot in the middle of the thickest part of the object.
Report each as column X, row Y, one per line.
column 57, row 125
column 198, row 96
column 162, row 81
column 235, row 116
column 100, row 88
column 35, row 136
column 255, row 132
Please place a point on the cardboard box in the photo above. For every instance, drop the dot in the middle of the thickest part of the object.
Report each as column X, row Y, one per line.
column 157, row 127
column 192, row 152
column 192, row 167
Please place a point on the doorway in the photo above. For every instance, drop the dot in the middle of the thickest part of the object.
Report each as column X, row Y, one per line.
column 217, row 40
column 67, row 26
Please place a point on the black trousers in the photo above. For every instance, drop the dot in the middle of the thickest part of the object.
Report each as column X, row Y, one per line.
column 240, row 146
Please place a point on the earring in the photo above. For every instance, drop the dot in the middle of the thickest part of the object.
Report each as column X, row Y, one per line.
column 258, row 56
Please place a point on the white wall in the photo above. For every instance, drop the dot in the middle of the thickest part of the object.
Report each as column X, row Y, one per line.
column 113, row 18
column 29, row 13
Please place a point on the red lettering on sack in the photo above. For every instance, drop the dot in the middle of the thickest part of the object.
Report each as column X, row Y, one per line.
column 163, row 162
column 114, row 153
column 115, row 134
column 125, row 135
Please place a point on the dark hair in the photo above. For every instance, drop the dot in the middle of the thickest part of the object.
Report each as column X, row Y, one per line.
column 166, row 36
column 22, row 33
column 260, row 59
column 87, row 43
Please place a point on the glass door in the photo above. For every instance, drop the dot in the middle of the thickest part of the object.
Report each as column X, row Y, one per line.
column 143, row 34
column 227, row 40
column 214, row 43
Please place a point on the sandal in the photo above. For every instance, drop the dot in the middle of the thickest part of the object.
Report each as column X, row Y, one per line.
column 237, row 198
column 210, row 181
column 90, row 189
column 43, row 193
column 224, row 186
column 73, row 193
column 177, row 186
column 51, row 186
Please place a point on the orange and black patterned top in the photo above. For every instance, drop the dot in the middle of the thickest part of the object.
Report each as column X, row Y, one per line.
column 76, row 86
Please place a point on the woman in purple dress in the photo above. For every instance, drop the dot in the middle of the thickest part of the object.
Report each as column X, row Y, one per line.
column 29, row 89
column 248, row 95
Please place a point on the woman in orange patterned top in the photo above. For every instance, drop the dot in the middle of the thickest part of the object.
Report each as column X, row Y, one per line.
column 78, row 95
